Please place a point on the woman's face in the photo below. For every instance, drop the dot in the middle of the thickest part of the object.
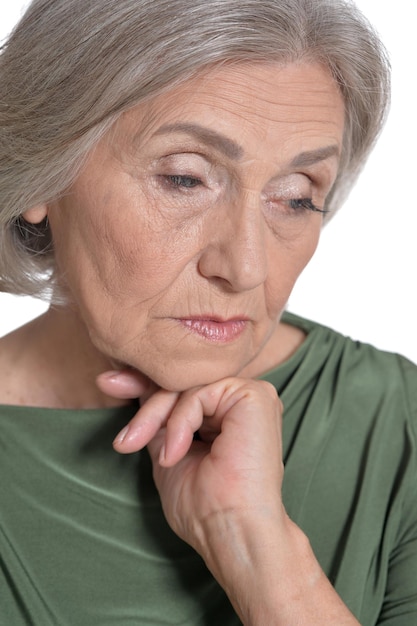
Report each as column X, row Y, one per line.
column 182, row 238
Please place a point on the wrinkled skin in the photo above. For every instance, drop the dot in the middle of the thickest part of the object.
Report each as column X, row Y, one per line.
column 178, row 246
column 168, row 224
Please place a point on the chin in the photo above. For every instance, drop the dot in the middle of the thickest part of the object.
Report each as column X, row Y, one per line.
column 180, row 378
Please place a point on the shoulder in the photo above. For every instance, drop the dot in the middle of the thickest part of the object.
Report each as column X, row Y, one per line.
column 355, row 353
column 357, row 372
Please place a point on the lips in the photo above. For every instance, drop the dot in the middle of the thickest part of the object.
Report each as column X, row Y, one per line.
column 217, row 331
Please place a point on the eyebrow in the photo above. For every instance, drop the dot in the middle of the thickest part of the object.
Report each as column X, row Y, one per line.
column 235, row 152
column 220, row 142
column 311, row 157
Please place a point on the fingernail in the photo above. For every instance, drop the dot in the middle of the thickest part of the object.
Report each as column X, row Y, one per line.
column 122, row 435
column 110, row 375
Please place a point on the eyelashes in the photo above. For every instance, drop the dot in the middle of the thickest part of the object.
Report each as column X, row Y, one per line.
column 184, row 182
column 307, row 205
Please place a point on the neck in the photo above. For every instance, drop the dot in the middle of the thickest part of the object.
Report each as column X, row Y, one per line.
column 51, row 362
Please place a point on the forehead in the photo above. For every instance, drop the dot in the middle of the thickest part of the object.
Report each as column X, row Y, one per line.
column 299, row 102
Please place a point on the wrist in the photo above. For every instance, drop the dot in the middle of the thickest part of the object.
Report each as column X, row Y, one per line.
column 266, row 566
column 250, row 554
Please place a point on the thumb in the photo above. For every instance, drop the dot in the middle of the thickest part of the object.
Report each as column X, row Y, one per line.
column 124, row 384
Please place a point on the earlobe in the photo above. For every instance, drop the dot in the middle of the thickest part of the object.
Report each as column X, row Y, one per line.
column 36, row 214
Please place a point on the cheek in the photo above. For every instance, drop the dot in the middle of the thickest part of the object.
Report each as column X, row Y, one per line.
column 116, row 271
column 102, row 250
column 302, row 252
column 290, row 257
column 308, row 246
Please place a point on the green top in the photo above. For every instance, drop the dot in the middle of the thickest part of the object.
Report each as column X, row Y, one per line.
column 83, row 541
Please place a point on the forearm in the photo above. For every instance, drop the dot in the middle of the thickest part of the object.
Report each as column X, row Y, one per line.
column 271, row 581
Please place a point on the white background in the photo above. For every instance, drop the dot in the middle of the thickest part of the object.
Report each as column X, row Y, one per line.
column 362, row 279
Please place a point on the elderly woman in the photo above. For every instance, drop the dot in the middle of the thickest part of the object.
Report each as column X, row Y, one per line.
column 166, row 168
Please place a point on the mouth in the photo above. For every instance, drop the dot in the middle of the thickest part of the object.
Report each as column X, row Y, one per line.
column 214, row 329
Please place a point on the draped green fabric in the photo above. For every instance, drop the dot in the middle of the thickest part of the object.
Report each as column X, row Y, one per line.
column 83, row 541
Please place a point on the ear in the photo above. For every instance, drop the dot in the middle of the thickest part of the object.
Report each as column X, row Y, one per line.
column 36, row 214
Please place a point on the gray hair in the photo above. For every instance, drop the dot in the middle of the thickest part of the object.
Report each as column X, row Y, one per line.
column 71, row 67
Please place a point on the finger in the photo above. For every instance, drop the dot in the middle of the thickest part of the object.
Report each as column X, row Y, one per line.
column 150, row 418
column 221, row 397
column 123, row 384
column 185, row 420
column 250, row 406
column 203, row 409
column 155, row 447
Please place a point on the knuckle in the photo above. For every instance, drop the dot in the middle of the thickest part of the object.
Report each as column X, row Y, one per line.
column 269, row 389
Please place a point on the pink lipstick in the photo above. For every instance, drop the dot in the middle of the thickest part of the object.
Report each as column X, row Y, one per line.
column 217, row 331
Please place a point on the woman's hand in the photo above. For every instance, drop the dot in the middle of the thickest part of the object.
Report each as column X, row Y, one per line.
column 221, row 493
column 235, row 464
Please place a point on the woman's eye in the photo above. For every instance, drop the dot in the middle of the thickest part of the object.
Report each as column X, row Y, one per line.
column 305, row 204
column 187, row 182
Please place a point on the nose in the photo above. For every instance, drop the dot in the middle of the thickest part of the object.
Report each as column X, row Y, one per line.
column 236, row 253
